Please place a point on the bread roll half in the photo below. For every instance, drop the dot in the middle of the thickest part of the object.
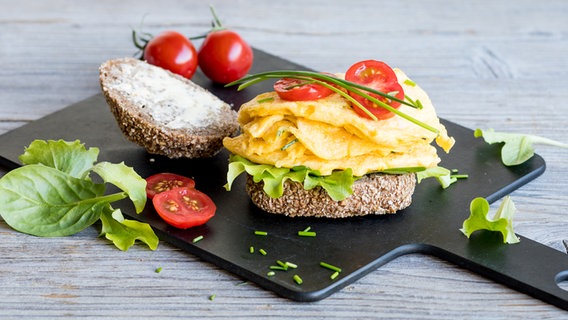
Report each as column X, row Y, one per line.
column 164, row 112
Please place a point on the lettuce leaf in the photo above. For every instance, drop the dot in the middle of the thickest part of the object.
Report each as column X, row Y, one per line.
column 338, row 184
column 517, row 148
column 502, row 221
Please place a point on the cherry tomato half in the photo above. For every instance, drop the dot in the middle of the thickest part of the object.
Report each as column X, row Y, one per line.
column 294, row 90
column 184, row 207
column 379, row 76
column 172, row 51
column 161, row 182
column 224, row 56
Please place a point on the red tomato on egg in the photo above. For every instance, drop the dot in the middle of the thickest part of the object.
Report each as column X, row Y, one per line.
column 297, row 90
column 379, row 76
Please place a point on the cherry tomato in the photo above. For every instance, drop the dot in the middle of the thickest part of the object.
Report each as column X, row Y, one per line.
column 379, row 76
column 161, row 182
column 224, row 56
column 184, row 207
column 293, row 90
column 172, row 51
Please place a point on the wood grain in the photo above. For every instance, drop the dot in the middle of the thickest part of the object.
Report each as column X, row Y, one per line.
column 487, row 64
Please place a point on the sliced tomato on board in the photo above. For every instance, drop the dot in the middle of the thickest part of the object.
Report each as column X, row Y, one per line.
column 166, row 181
column 379, row 76
column 184, row 207
column 298, row 90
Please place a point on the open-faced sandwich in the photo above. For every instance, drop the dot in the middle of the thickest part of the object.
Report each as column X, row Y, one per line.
column 335, row 145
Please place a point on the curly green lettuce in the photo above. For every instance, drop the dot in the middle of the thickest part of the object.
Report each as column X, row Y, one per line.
column 501, row 222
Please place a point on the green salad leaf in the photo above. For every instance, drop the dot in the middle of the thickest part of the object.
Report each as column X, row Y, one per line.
column 517, row 148
column 444, row 176
column 502, row 221
column 338, row 184
column 124, row 233
column 52, row 194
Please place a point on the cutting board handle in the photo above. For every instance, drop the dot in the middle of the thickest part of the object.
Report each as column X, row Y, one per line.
column 527, row 266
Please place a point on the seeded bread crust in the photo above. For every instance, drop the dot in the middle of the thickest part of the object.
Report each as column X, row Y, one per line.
column 141, row 128
column 373, row 194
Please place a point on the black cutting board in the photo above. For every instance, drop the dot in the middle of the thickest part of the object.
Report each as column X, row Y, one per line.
column 357, row 245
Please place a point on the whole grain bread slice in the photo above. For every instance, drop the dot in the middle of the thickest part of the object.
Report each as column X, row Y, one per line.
column 164, row 112
column 374, row 193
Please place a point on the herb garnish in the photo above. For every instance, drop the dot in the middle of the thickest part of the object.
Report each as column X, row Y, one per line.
column 333, row 83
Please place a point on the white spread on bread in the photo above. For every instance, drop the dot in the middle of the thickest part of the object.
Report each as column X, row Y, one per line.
column 167, row 99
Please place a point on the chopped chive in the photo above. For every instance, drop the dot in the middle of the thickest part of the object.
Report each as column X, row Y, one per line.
column 460, row 176
column 261, row 233
column 282, row 264
column 212, row 297
column 251, row 249
column 306, row 233
column 289, row 144
column 334, row 275
column 271, row 273
column 278, row 268
column 262, row 252
column 291, row 265
column 454, row 170
column 269, row 99
column 409, row 82
column 158, row 270
column 297, row 279
column 418, row 104
column 307, row 229
column 330, row 267
column 197, row 239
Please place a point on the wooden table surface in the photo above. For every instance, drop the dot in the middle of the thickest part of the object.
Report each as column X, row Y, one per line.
column 485, row 64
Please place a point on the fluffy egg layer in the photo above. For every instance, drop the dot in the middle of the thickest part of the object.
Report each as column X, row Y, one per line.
column 327, row 134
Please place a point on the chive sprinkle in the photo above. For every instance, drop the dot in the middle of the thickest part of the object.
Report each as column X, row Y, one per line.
column 271, row 273
column 269, row 99
column 334, row 275
column 251, row 249
column 288, row 145
column 212, row 297
column 197, row 239
column 158, row 270
column 330, row 267
column 307, row 229
column 409, row 82
column 297, row 279
column 291, row 265
column 306, row 233
column 278, row 268
column 262, row 252
column 260, row 233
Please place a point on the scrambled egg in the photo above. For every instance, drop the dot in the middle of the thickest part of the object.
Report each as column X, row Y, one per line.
column 327, row 135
